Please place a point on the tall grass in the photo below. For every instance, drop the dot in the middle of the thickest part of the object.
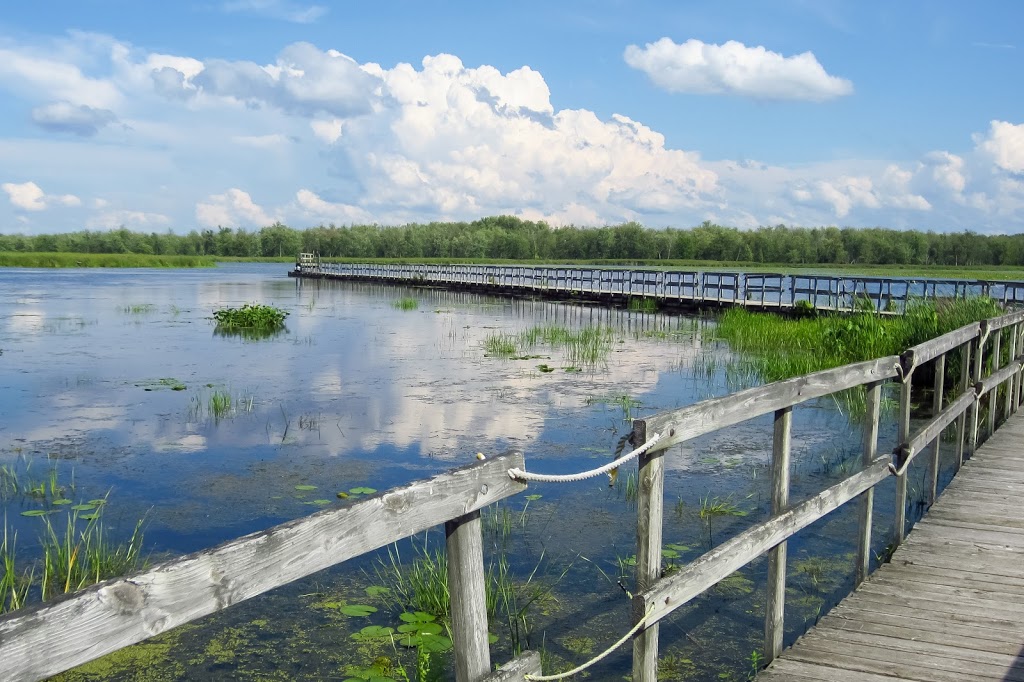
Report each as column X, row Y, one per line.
column 586, row 346
column 779, row 348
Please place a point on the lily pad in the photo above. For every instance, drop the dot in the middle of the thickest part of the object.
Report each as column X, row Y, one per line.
column 357, row 610
column 376, row 590
column 35, row 512
column 305, row 486
column 531, row 498
column 417, row 617
column 61, row 501
column 84, row 507
column 319, row 503
column 371, row 632
column 361, row 490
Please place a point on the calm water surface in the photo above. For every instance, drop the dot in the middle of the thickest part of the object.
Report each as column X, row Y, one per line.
column 359, row 393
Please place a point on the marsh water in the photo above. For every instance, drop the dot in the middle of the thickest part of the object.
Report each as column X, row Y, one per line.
column 109, row 378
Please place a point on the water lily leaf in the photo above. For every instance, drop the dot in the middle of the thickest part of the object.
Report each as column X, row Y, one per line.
column 531, row 498
column 35, row 512
column 84, row 507
column 435, row 643
column 362, row 491
column 319, row 503
column 372, row 632
column 89, row 517
column 357, row 610
column 305, row 486
column 97, row 502
column 417, row 617
column 491, row 638
column 61, row 501
column 376, row 590
column 669, row 554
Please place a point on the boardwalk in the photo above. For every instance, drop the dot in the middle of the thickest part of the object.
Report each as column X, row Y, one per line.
column 950, row 605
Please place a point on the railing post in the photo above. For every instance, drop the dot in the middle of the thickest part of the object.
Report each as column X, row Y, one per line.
column 650, row 501
column 900, row 520
column 993, row 395
column 940, row 387
column 869, row 449
column 961, row 421
column 775, row 604
column 1011, row 386
column 976, row 366
column 468, row 597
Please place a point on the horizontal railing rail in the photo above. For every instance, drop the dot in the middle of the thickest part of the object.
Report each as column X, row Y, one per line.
column 46, row 639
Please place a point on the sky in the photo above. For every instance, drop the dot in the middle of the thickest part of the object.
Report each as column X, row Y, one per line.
column 202, row 114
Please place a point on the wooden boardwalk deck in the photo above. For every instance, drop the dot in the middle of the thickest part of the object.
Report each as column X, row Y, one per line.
column 950, row 605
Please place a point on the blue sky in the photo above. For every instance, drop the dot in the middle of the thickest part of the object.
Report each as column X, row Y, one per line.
column 178, row 116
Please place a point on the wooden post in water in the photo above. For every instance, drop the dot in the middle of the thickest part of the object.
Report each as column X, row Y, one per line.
column 869, row 449
column 961, row 421
column 650, row 502
column 994, row 393
column 468, row 597
column 775, row 604
column 940, row 387
column 900, row 520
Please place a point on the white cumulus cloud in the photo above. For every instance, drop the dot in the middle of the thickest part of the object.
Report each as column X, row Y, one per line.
column 1005, row 144
column 28, row 196
column 735, row 69
column 233, row 208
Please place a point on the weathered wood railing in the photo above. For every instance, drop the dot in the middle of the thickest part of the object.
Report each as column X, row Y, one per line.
column 763, row 290
column 658, row 596
column 46, row 639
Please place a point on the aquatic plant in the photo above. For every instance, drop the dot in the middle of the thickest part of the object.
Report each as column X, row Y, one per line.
column 625, row 402
column 138, row 308
column 405, row 304
column 220, row 404
column 642, row 303
column 74, row 557
column 251, row 321
column 780, row 347
column 711, row 508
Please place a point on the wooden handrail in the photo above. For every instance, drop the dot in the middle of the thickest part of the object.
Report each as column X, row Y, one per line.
column 45, row 639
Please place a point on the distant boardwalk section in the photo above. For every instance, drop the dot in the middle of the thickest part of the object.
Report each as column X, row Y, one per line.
column 667, row 287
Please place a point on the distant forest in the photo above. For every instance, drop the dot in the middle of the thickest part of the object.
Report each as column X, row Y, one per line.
column 507, row 237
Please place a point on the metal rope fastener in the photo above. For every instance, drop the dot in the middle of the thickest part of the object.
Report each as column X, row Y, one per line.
column 520, row 475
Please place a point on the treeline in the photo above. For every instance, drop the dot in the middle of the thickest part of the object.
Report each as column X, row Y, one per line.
column 507, row 237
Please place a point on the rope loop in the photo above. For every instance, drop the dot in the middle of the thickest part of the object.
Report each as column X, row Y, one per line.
column 520, row 475
column 604, row 654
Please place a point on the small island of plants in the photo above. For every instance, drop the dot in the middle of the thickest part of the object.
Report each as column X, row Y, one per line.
column 251, row 321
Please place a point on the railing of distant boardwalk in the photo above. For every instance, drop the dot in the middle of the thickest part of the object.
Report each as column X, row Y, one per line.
column 987, row 380
column 766, row 290
column 41, row 641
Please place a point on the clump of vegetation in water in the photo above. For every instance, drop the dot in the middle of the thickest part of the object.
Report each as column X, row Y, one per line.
column 72, row 553
column 582, row 347
column 406, row 304
column 251, row 321
column 780, row 348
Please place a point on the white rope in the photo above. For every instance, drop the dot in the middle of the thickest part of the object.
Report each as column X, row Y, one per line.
column 520, row 475
column 599, row 657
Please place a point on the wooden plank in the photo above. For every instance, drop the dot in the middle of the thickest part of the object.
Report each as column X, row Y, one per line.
column 934, row 609
column 673, row 591
column 899, row 522
column 1006, row 320
column 940, row 345
column 775, row 605
column 785, row 669
column 938, row 392
column 954, row 577
column 864, row 659
column 37, row 642
column 907, row 627
column 937, row 424
column 907, row 584
column 926, row 655
column 465, row 552
column 676, row 426
column 516, row 670
column 998, row 377
column 964, row 558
